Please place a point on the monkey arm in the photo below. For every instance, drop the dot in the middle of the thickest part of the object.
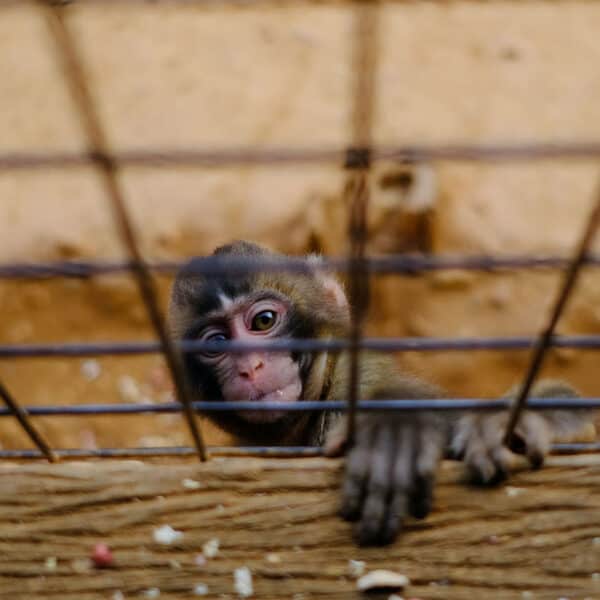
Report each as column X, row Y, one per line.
column 390, row 469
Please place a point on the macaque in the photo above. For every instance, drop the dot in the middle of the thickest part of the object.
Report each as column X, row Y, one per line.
column 391, row 465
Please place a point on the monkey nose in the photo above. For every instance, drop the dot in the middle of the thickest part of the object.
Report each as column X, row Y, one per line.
column 249, row 367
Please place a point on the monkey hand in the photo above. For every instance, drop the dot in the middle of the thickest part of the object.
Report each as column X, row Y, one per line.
column 478, row 441
column 478, row 438
column 389, row 471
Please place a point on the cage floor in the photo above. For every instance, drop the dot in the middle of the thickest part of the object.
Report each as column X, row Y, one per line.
column 539, row 533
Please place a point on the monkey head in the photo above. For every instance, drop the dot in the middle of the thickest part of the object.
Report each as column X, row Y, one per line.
column 251, row 307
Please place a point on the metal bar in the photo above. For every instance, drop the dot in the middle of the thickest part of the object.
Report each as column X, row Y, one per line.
column 545, row 339
column 15, row 409
column 364, row 62
column 240, row 451
column 167, row 451
column 358, row 292
column 433, row 344
column 259, row 155
column 400, row 263
column 446, row 404
column 108, row 168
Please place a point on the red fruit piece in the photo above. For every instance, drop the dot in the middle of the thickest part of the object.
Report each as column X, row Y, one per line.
column 102, row 556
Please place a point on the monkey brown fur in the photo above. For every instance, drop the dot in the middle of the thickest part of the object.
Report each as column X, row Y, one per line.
column 390, row 469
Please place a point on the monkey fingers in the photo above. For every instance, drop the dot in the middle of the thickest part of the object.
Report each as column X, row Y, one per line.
column 479, row 440
column 402, row 485
column 532, row 437
column 430, row 449
column 356, row 473
column 403, row 460
column 370, row 529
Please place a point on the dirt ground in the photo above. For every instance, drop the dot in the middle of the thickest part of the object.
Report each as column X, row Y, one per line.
column 188, row 75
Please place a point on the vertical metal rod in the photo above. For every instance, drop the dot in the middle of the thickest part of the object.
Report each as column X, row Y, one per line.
column 544, row 342
column 366, row 21
column 21, row 414
column 108, row 168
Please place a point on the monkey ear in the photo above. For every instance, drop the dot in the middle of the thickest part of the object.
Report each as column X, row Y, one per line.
column 333, row 288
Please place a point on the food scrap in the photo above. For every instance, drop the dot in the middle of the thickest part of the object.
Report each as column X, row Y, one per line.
column 191, row 484
column 166, row 535
column 211, row 548
column 243, row 582
column 356, row 568
column 102, row 556
column 200, row 589
column 382, row 580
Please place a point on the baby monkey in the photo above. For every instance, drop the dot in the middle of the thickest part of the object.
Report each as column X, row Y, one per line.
column 391, row 466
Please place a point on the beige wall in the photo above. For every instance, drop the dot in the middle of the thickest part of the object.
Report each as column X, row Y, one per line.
column 184, row 76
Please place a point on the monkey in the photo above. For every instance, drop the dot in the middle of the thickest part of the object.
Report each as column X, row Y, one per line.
column 391, row 464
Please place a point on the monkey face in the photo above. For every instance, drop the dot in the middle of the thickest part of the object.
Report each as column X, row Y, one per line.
column 254, row 376
column 254, row 306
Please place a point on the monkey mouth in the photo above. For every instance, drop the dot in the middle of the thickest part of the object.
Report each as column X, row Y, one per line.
column 286, row 393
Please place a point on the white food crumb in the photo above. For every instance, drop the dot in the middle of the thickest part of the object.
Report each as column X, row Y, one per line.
column 200, row 589
column 243, row 582
column 129, row 389
column 395, row 597
column 152, row 593
column 596, row 576
column 381, row 578
column 211, row 548
column 526, row 594
column 596, row 541
column 166, row 535
column 191, row 484
column 273, row 558
column 175, row 564
column 91, row 369
column 51, row 563
column 513, row 492
column 118, row 595
column 356, row 568
column 220, row 508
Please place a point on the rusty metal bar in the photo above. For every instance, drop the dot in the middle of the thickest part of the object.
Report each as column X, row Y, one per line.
column 108, row 169
column 545, row 339
column 388, row 405
column 23, row 417
column 391, row 344
column 365, row 46
column 401, row 264
column 260, row 155
column 238, row 451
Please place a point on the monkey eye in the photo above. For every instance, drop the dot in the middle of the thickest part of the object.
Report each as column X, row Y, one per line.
column 213, row 336
column 264, row 320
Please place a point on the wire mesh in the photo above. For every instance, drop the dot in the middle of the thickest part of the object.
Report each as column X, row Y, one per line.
column 357, row 160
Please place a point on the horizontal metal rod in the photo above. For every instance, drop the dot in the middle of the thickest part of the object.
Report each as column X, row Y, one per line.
column 231, row 451
column 401, row 264
column 304, row 406
column 73, row 350
column 257, row 155
column 170, row 451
